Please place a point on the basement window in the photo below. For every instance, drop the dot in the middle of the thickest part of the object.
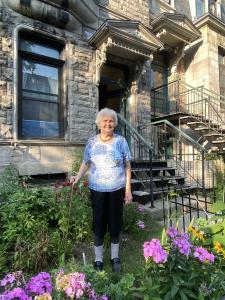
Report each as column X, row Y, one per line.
column 40, row 101
column 46, row 179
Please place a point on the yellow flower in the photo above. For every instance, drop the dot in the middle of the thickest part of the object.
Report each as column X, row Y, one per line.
column 218, row 247
column 190, row 228
column 197, row 234
column 200, row 235
column 45, row 296
column 62, row 281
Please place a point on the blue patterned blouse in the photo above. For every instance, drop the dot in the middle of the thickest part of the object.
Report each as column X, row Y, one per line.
column 107, row 163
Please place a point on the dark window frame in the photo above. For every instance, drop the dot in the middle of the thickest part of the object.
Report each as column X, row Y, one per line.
column 44, row 60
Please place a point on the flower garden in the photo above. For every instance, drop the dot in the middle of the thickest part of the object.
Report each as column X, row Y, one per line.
column 46, row 249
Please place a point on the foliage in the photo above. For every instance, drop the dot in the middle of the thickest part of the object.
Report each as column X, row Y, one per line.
column 107, row 285
column 212, row 230
column 10, row 182
column 219, row 189
column 39, row 226
column 180, row 270
column 133, row 215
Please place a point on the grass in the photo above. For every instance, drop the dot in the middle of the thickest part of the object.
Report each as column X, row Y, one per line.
column 131, row 248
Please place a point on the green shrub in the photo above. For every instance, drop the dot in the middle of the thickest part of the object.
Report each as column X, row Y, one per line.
column 10, row 182
column 38, row 226
column 131, row 216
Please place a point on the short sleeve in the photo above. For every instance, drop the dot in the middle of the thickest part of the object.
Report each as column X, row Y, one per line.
column 127, row 155
column 87, row 156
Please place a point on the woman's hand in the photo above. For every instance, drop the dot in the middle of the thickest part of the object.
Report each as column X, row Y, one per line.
column 128, row 197
column 74, row 179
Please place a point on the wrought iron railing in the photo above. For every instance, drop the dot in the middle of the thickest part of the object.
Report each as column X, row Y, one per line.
column 198, row 102
column 182, row 152
column 141, row 152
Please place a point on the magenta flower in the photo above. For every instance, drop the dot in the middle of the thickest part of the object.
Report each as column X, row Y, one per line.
column 16, row 293
column 8, row 279
column 172, row 232
column 154, row 250
column 203, row 255
column 183, row 244
column 39, row 284
column 141, row 224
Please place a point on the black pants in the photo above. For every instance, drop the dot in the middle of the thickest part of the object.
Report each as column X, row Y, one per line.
column 107, row 212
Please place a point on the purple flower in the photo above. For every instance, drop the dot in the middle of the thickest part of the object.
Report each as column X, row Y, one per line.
column 183, row 244
column 203, row 255
column 8, row 279
column 39, row 284
column 141, row 224
column 141, row 209
column 172, row 232
column 16, row 293
column 154, row 250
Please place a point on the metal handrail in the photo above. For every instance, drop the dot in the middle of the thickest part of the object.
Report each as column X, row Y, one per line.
column 132, row 129
column 142, row 144
column 195, row 144
column 178, row 130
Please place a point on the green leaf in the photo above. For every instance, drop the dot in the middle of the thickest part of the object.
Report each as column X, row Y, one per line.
column 146, row 297
column 182, row 295
column 214, row 228
column 219, row 238
column 174, row 291
column 217, row 207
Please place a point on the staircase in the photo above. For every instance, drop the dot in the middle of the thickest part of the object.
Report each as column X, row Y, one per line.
column 196, row 108
column 152, row 174
column 164, row 180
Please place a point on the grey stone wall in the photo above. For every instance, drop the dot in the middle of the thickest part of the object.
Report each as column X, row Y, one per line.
column 79, row 93
column 120, row 9
column 183, row 7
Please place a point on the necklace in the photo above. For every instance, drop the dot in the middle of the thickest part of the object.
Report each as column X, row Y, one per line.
column 106, row 140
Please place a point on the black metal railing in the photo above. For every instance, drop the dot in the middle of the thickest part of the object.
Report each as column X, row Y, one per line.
column 141, row 152
column 182, row 209
column 198, row 102
column 182, row 152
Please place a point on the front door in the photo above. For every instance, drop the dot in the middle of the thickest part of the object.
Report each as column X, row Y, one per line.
column 113, row 88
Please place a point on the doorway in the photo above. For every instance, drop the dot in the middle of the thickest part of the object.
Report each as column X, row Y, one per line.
column 113, row 88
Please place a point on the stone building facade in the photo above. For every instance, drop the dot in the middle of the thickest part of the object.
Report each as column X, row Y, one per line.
column 62, row 61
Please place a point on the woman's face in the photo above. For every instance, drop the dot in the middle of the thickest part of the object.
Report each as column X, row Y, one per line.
column 107, row 125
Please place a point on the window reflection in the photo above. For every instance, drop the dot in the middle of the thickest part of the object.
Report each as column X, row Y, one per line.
column 40, row 104
column 38, row 49
column 200, row 7
column 40, row 77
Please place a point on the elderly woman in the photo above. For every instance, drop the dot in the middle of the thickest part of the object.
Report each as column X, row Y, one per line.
column 107, row 158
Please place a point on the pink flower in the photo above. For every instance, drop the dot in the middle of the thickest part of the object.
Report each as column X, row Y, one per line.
column 172, row 232
column 183, row 244
column 141, row 224
column 141, row 209
column 203, row 255
column 154, row 250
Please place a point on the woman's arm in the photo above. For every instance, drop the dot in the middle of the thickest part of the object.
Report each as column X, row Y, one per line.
column 128, row 195
column 83, row 169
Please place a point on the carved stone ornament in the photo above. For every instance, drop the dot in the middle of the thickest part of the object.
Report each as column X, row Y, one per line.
column 128, row 40
column 101, row 58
